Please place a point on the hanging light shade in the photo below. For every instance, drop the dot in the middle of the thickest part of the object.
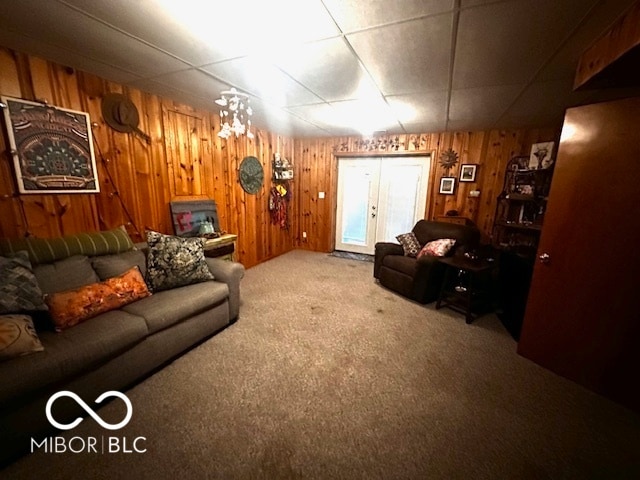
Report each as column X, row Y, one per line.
column 235, row 114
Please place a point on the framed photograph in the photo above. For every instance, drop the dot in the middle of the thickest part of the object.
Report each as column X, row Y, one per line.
column 447, row 185
column 468, row 173
column 541, row 155
column 52, row 148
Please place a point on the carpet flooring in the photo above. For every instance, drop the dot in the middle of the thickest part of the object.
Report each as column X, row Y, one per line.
column 327, row 375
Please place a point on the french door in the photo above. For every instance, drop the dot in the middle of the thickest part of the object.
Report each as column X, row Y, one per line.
column 379, row 198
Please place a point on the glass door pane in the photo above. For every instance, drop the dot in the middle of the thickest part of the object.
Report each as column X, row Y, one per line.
column 403, row 196
column 357, row 198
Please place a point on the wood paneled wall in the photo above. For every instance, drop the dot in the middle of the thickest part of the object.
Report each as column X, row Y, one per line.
column 317, row 168
column 186, row 159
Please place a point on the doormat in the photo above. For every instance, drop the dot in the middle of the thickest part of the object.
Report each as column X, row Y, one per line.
column 352, row 256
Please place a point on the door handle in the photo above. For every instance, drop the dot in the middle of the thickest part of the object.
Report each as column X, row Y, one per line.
column 544, row 258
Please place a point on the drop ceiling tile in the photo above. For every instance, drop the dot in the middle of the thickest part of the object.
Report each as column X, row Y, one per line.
column 66, row 28
column 25, row 44
column 272, row 118
column 421, row 108
column 358, row 117
column 180, row 96
column 193, row 80
column 599, row 19
column 409, row 57
column 543, row 104
column 357, row 14
column 506, row 43
column 147, row 21
column 264, row 80
column 312, row 64
column 480, row 105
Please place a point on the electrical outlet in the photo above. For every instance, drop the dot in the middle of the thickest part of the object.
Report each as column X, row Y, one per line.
column 320, row 194
column 304, row 235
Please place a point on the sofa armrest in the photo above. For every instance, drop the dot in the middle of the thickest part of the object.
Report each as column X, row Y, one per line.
column 230, row 273
column 382, row 249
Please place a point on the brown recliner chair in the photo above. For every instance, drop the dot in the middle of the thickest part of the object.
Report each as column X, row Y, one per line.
column 421, row 279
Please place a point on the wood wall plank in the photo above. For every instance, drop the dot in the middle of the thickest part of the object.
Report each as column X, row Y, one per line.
column 317, row 167
column 187, row 159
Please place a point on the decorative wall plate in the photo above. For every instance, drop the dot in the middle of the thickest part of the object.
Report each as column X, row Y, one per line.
column 251, row 175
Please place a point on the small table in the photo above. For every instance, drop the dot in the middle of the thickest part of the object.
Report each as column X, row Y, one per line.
column 221, row 247
column 465, row 297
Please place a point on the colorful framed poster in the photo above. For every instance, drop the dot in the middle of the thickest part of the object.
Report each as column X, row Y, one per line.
column 52, row 148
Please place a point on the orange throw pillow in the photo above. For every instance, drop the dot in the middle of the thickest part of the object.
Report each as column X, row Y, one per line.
column 71, row 307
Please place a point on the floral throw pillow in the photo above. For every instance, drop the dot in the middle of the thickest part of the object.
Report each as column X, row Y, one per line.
column 19, row 289
column 437, row 248
column 18, row 336
column 72, row 307
column 175, row 262
column 410, row 244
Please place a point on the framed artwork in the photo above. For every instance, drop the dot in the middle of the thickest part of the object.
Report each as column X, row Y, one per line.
column 52, row 148
column 188, row 216
column 541, row 155
column 468, row 172
column 447, row 185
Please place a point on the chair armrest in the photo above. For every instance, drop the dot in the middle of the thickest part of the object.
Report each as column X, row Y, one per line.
column 230, row 273
column 382, row 249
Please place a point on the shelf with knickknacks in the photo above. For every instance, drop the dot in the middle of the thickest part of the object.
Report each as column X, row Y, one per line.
column 522, row 203
column 280, row 193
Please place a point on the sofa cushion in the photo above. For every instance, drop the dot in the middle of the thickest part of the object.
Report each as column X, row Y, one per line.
column 19, row 289
column 67, row 274
column 107, row 266
column 72, row 352
column 166, row 308
column 18, row 336
column 47, row 250
column 174, row 262
column 71, row 307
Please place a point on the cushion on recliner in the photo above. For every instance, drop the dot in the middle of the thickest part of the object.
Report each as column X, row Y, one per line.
column 168, row 307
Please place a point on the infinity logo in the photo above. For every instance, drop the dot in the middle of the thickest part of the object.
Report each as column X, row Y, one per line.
column 94, row 415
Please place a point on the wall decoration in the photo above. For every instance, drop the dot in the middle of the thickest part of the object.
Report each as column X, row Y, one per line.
column 541, row 155
column 121, row 114
column 447, row 185
column 52, row 148
column 381, row 144
column 251, row 175
column 190, row 216
column 468, row 172
column 448, row 160
column 282, row 168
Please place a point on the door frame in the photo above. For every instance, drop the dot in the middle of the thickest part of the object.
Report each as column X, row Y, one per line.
column 414, row 153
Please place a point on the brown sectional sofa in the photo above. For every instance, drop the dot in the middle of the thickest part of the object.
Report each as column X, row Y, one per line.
column 112, row 350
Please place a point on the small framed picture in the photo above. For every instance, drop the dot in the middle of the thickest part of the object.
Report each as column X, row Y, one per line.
column 541, row 155
column 468, row 173
column 447, row 185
